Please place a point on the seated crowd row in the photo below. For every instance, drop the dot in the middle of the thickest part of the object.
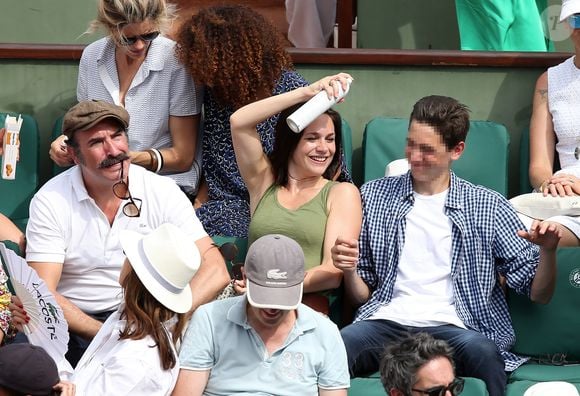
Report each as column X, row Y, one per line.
column 116, row 243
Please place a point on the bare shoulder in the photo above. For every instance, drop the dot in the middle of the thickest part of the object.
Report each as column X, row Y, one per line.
column 344, row 191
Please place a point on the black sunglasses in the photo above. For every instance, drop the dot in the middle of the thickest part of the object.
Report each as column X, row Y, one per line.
column 455, row 387
column 121, row 190
column 148, row 37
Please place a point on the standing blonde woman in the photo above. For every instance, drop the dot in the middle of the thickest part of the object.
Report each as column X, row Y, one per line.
column 291, row 190
column 135, row 67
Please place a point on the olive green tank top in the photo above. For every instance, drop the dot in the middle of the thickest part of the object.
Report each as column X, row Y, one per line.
column 306, row 224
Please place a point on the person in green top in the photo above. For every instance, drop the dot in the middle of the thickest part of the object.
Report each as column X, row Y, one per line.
column 291, row 191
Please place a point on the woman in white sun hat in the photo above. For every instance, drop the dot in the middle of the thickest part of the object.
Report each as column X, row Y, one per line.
column 134, row 352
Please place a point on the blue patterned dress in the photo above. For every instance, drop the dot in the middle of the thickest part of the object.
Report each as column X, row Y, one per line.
column 227, row 211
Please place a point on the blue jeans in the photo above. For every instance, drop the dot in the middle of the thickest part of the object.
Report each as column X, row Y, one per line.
column 474, row 354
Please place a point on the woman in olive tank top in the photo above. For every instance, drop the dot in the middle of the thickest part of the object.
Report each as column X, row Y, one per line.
column 291, row 191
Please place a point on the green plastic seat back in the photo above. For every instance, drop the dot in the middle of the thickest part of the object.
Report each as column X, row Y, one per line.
column 484, row 161
column 347, row 144
column 543, row 331
column 16, row 194
column 56, row 132
column 241, row 244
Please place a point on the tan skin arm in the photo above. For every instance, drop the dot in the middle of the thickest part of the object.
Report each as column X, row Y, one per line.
column 179, row 157
column 211, row 277
column 332, row 392
column 78, row 321
column 191, row 382
column 542, row 136
column 9, row 231
column 252, row 162
column 345, row 257
column 344, row 220
column 545, row 234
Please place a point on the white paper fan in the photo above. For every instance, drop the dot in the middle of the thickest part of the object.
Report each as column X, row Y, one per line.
column 47, row 327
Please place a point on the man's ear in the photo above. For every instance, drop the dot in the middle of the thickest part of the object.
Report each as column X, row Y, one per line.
column 395, row 392
column 72, row 153
column 457, row 151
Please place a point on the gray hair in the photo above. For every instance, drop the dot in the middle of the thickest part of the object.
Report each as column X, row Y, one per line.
column 113, row 15
column 404, row 358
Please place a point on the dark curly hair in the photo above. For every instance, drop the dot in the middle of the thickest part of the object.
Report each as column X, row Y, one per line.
column 234, row 51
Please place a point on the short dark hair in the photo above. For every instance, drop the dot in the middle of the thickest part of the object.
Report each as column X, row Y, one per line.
column 286, row 141
column 402, row 360
column 449, row 117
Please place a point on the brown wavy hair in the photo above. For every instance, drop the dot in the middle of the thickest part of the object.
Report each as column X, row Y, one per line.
column 234, row 51
column 145, row 316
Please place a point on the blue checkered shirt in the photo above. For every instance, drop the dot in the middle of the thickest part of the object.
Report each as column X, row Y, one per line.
column 484, row 243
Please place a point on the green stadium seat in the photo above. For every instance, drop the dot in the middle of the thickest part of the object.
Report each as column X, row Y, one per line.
column 16, row 194
column 548, row 334
column 347, row 144
column 484, row 162
column 241, row 245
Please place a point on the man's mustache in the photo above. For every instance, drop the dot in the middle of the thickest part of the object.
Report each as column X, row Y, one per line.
column 110, row 161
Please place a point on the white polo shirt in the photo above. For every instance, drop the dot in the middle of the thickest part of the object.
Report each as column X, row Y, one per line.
column 68, row 228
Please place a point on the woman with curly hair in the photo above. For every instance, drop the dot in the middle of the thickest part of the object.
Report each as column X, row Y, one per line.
column 240, row 58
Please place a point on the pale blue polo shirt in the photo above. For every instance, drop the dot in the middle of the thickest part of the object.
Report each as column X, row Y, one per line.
column 219, row 338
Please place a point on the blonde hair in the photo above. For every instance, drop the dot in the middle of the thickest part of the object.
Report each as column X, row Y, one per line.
column 113, row 15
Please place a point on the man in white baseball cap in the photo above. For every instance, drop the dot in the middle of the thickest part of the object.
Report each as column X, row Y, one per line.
column 266, row 341
column 569, row 8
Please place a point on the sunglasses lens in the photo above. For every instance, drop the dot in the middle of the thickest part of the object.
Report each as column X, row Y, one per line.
column 131, row 210
column 574, row 21
column 120, row 190
column 150, row 36
column 456, row 386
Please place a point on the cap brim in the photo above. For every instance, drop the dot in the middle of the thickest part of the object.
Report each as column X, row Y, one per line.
column 177, row 302
column 568, row 10
column 286, row 298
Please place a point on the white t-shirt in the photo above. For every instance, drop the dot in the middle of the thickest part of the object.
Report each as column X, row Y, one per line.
column 111, row 366
column 423, row 291
column 66, row 226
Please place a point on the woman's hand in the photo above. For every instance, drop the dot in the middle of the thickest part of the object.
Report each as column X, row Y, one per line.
column 65, row 388
column 19, row 315
column 58, row 152
column 345, row 254
column 561, row 184
column 330, row 84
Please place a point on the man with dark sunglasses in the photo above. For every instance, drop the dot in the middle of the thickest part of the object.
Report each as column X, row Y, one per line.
column 419, row 365
column 76, row 218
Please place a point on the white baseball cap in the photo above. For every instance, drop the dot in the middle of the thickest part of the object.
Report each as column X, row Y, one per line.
column 569, row 7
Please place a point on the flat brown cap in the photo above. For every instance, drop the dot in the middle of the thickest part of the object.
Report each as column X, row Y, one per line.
column 89, row 113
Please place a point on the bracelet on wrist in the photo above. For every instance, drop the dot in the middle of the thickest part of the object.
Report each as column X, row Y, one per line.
column 158, row 160
column 152, row 160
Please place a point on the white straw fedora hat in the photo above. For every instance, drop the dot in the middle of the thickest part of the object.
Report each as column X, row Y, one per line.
column 165, row 261
column 552, row 388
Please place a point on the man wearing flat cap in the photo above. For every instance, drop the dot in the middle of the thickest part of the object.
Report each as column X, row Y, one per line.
column 267, row 341
column 75, row 220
